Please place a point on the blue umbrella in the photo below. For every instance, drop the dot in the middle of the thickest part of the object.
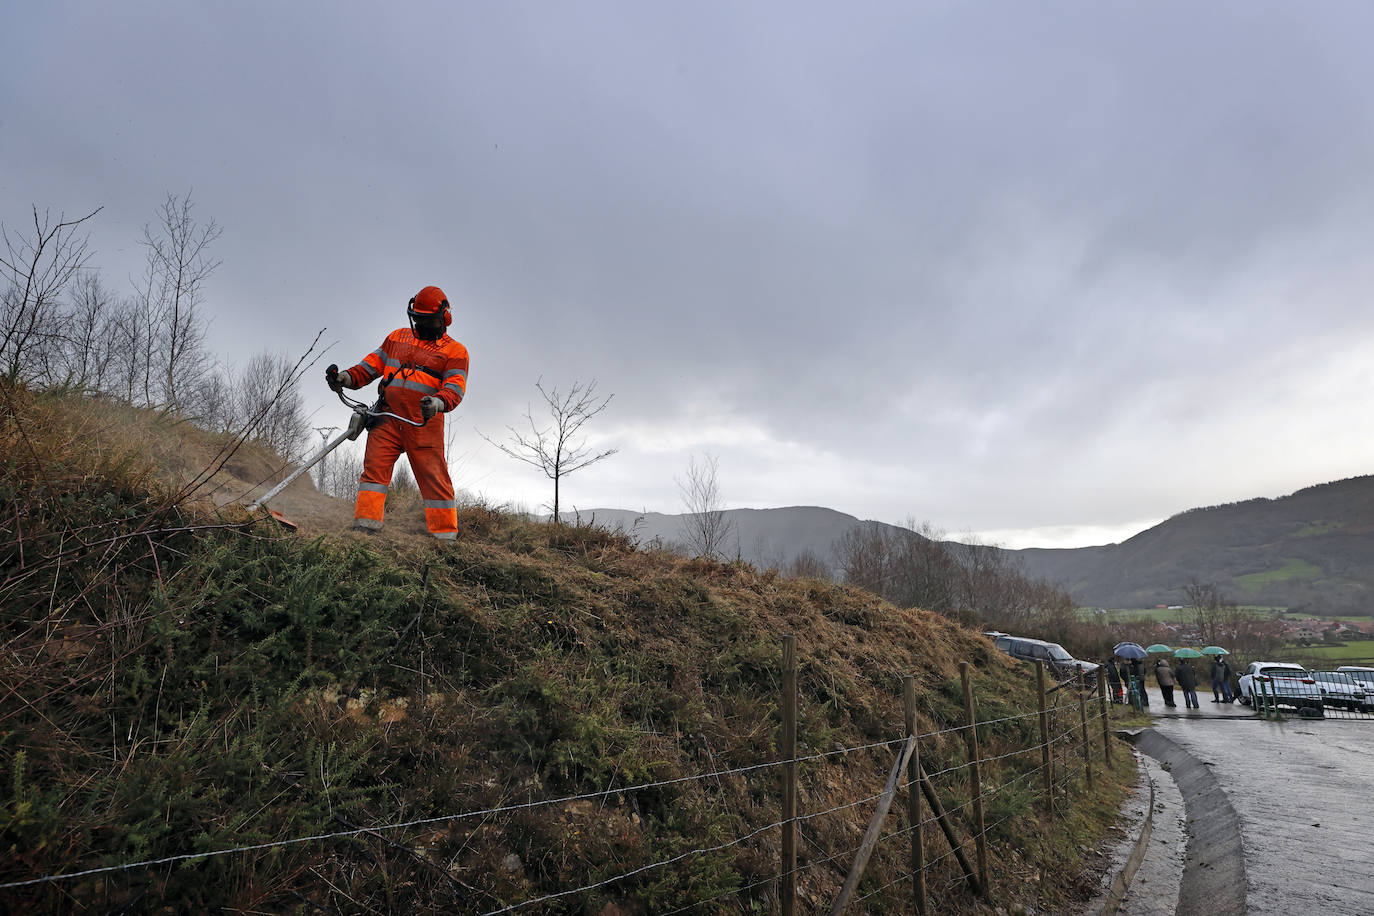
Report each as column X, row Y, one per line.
column 1129, row 650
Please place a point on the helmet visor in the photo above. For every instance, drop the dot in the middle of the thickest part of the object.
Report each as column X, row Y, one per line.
column 427, row 327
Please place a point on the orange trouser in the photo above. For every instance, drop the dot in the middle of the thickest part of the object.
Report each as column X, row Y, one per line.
column 424, row 446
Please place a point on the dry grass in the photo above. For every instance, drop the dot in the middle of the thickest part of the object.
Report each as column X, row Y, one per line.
column 203, row 691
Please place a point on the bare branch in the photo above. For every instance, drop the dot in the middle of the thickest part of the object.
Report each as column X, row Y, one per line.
column 35, row 271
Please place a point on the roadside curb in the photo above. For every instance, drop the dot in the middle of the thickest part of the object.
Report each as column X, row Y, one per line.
column 1122, row 882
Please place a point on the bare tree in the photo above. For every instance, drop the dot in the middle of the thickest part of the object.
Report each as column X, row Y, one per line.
column 864, row 553
column 807, row 565
column 125, row 332
column 556, row 449
column 705, row 526
column 178, row 264
column 1213, row 613
column 338, row 474
column 268, row 388
column 35, row 271
column 86, row 351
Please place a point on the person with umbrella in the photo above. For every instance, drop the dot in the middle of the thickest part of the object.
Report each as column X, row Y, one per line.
column 1186, row 675
column 1221, row 676
column 1164, row 677
column 1132, row 670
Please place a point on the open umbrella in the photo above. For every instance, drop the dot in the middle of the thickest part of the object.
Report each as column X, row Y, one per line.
column 1129, row 650
column 1214, row 650
column 1158, row 647
column 1187, row 653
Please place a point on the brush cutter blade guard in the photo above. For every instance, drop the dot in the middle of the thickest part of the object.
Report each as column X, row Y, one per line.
column 282, row 520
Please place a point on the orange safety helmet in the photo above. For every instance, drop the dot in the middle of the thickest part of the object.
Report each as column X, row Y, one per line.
column 429, row 313
column 430, row 301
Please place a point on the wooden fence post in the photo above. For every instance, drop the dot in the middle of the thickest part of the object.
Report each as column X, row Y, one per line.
column 875, row 827
column 1087, row 748
column 787, row 894
column 976, row 782
column 913, row 798
column 1044, row 739
column 1106, row 728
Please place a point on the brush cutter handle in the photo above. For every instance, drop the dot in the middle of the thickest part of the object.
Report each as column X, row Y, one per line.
column 369, row 413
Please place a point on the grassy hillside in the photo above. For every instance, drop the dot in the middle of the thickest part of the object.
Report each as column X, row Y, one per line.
column 178, row 681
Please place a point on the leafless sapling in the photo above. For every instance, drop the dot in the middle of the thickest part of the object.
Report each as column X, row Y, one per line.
column 556, row 449
column 705, row 527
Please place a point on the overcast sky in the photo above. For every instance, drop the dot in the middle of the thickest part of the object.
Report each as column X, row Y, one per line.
column 1043, row 272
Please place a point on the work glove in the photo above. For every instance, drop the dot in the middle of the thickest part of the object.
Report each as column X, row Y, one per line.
column 429, row 406
column 336, row 380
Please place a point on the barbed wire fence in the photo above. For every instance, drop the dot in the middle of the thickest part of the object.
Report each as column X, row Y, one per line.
column 946, row 809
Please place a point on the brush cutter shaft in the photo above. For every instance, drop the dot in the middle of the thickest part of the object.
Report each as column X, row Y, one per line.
column 363, row 417
column 333, row 444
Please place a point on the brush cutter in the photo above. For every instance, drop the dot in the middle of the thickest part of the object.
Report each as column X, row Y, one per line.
column 363, row 418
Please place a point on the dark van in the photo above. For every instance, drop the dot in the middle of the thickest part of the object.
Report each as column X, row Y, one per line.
column 1059, row 662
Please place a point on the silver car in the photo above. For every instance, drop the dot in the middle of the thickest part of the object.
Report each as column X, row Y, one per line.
column 1341, row 690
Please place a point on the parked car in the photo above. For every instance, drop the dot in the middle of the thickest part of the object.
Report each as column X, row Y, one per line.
column 1363, row 676
column 1339, row 689
column 1283, row 683
column 1060, row 663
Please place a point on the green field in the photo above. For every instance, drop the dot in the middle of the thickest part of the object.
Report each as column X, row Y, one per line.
column 1360, row 650
column 1118, row 614
column 1318, row 528
column 1293, row 569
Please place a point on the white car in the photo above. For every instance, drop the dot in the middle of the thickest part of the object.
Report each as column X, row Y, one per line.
column 1282, row 683
column 1363, row 676
column 1341, row 690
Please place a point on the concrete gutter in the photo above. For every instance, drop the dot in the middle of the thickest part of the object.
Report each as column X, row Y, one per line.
column 1213, row 881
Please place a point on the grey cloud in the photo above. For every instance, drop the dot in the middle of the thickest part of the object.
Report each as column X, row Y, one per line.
column 989, row 255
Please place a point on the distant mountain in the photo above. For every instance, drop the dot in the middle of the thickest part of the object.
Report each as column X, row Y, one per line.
column 764, row 537
column 1313, row 549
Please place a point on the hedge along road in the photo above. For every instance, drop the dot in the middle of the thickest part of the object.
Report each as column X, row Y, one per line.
column 1279, row 808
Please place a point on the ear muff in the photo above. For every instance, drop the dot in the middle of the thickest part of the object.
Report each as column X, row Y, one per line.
column 448, row 315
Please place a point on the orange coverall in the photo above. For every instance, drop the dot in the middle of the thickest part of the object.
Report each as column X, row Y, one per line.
column 414, row 369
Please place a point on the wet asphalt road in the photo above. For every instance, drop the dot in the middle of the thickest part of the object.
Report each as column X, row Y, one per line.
column 1304, row 794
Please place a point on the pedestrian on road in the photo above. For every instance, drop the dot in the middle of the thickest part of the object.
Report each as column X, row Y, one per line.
column 1164, row 677
column 1113, row 679
column 1138, row 678
column 1186, row 675
column 1221, row 680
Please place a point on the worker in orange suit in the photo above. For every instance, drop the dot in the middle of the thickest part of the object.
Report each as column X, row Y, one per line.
column 424, row 375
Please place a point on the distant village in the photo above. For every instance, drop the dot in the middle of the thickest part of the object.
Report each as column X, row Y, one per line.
column 1306, row 631
column 1302, row 631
